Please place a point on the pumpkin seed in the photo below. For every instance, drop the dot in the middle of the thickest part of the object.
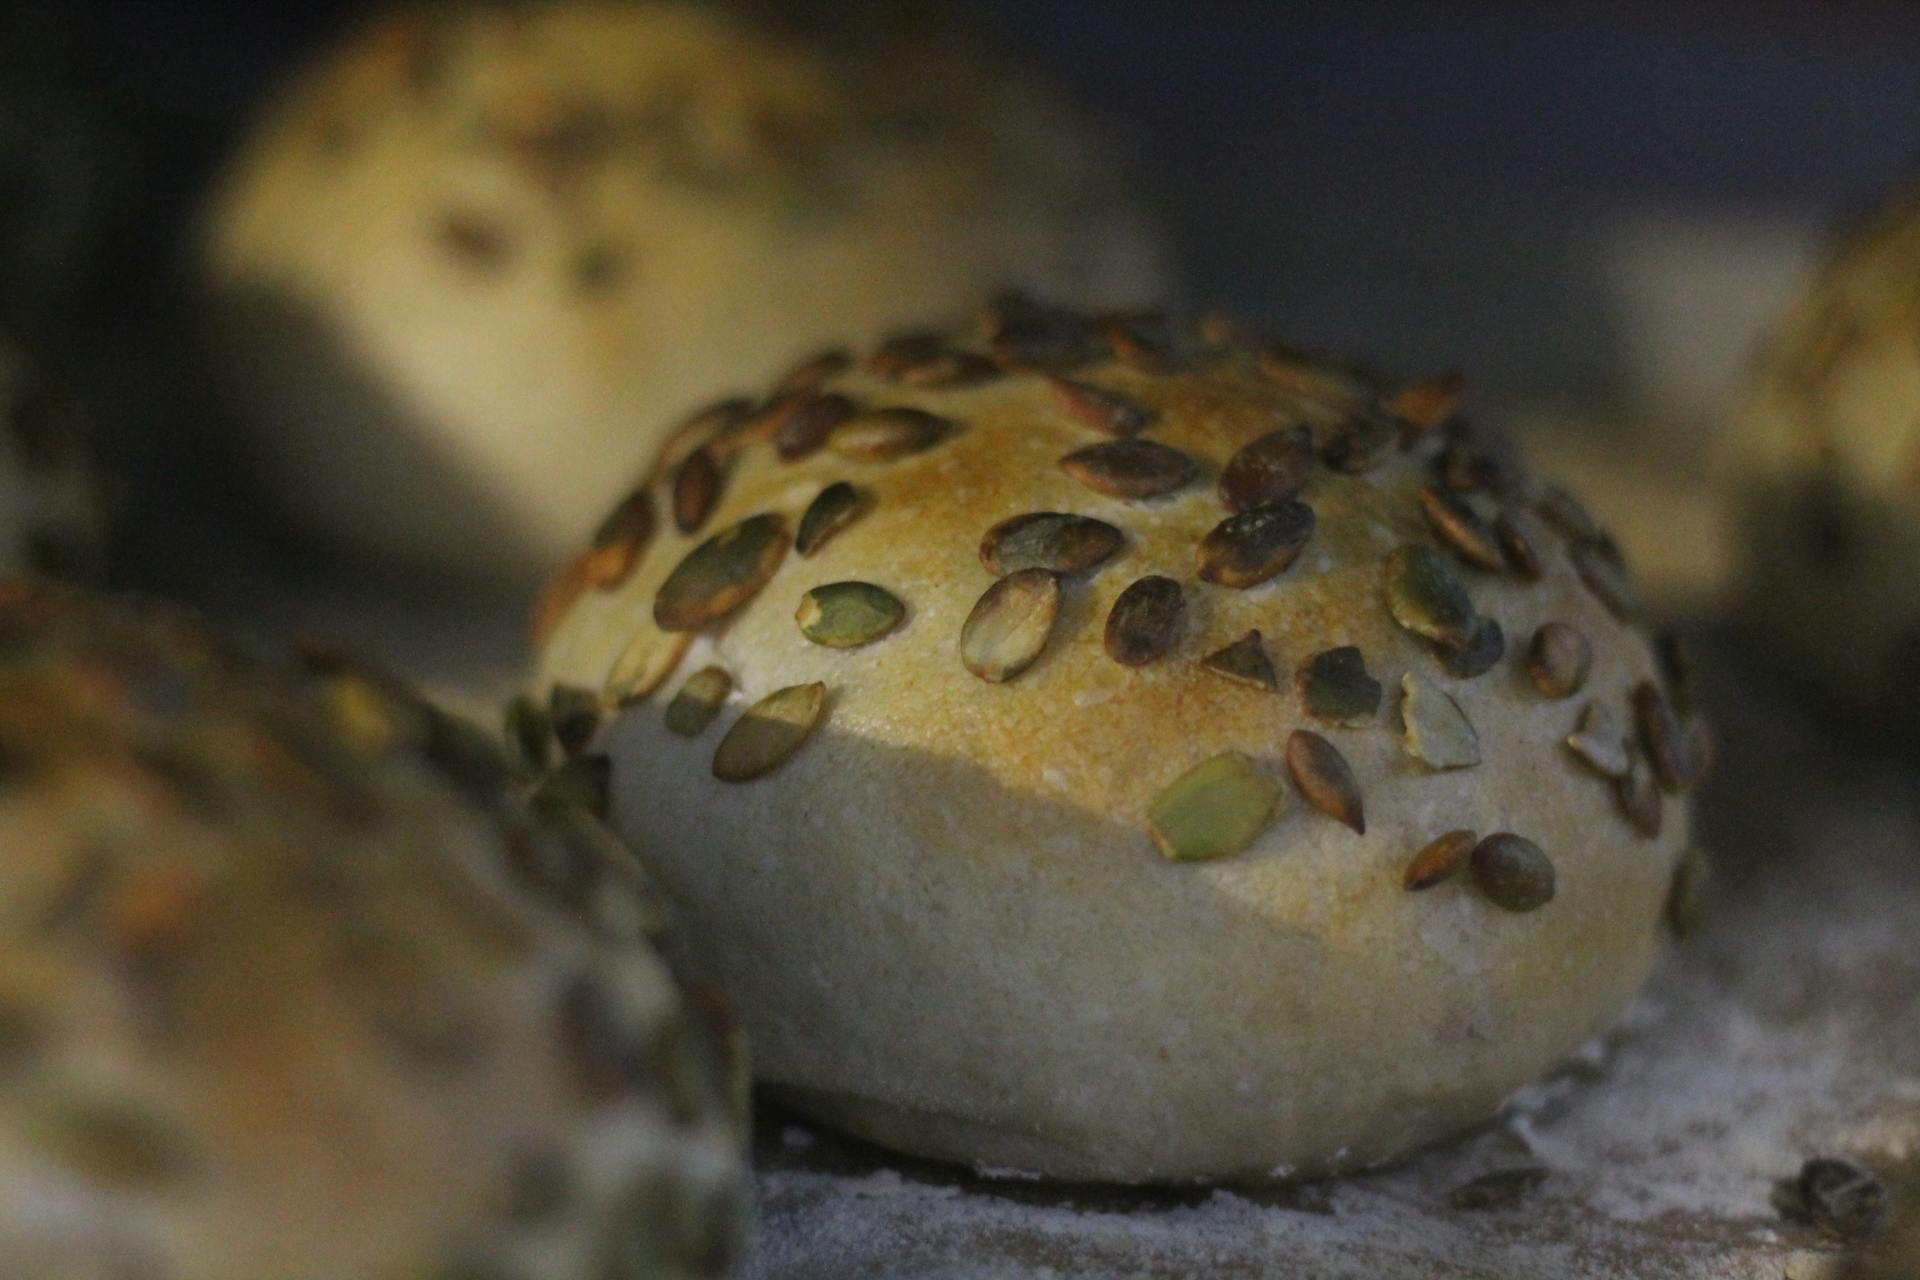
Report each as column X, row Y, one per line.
column 1030, row 336
column 1437, row 732
column 1600, row 568
column 559, row 595
column 1559, row 660
column 648, row 659
column 1687, row 892
column 948, row 368
column 698, row 701
column 1299, row 375
column 528, row 731
column 1247, row 549
column 696, row 487
column 1497, row 1190
column 1462, row 530
column 1214, row 810
column 1325, row 778
column 1108, row 412
column 902, row 351
column 1564, row 512
column 1675, row 656
column 879, row 435
column 1246, row 661
column 1439, row 860
column 1599, row 743
column 721, row 574
column 1146, row 621
column 771, row 731
column 814, row 370
column 1482, row 652
column 1838, row 1196
column 846, row 615
column 1429, row 403
column 1051, row 540
column 1129, row 468
column 1513, row 872
column 1425, row 596
column 584, row 783
column 575, row 714
column 1639, row 795
column 1131, row 344
column 1009, row 626
column 701, row 427
column 831, row 511
column 619, row 540
column 1269, row 470
column 1335, row 687
column 1520, row 540
column 807, row 425
column 1361, row 444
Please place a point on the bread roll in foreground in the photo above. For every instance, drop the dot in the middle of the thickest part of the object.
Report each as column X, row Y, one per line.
column 1823, row 451
column 1096, row 749
column 288, row 989
column 477, row 261
column 50, row 516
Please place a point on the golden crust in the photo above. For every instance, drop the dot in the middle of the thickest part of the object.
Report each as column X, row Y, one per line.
column 944, row 916
column 286, row 994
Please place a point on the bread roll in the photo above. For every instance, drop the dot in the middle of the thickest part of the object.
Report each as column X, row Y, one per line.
column 1823, row 451
column 1041, row 730
column 289, row 988
column 475, row 262
column 50, row 507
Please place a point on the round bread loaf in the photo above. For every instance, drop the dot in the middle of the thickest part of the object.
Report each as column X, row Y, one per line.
column 1823, row 452
column 291, row 989
column 1131, row 754
column 50, row 516
column 474, row 264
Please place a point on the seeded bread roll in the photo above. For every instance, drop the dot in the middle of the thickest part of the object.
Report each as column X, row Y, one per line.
column 50, row 517
column 291, row 989
column 1095, row 750
column 477, row 261
column 1824, row 451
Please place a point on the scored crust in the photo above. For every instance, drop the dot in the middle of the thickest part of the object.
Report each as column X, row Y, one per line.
column 949, row 902
column 292, row 988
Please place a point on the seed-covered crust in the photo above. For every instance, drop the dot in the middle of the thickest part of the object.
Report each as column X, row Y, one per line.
column 289, row 987
column 1100, row 868
column 1824, row 449
column 50, row 518
column 476, row 262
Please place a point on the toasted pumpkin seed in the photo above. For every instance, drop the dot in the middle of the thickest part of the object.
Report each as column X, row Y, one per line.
column 1335, row 687
column 1520, row 540
column 1301, row 376
column 879, row 435
column 1639, row 795
column 1129, row 468
column 1009, row 626
column 721, row 574
column 648, row 659
column 1482, row 652
column 1497, row 1190
column 831, row 511
column 1040, row 338
column 1425, row 596
column 1436, row 731
column 1513, row 872
column 1361, row 444
column 814, row 370
column 1325, row 778
column 1603, row 573
column 1247, row 549
column 575, row 714
column 775, row 727
column 1050, row 540
column 696, row 487
column 1146, row 621
column 698, row 701
column 1662, row 737
column 1131, row 344
column 701, row 427
column 1836, row 1195
column 1246, row 661
column 1559, row 659
column 1269, row 470
column 619, row 540
column 1599, row 743
column 949, row 368
column 846, row 615
column 1108, row 412
column 902, row 351
column 808, row 423
column 1687, row 893
column 1430, row 402
column 1439, row 860
column 1214, row 810
column 1462, row 530
column 1564, row 512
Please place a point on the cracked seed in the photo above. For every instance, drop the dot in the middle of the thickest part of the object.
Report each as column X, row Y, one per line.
column 1334, row 686
column 1435, row 730
column 1599, row 743
column 1244, row 661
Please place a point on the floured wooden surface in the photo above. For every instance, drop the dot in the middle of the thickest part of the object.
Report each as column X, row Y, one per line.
column 1788, row 1027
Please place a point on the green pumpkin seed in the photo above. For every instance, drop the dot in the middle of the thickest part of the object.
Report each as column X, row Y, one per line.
column 574, row 714
column 1439, row 860
column 1325, row 779
column 648, row 659
column 1559, row 659
column 1108, row 412
column 769, row 733
column 1481, row 654
column 1009, row 626
column 846, row 615
column 1146, row 621
column 1247, row 549
column 1335, row 687
column 1129, row 468
column 1050, row 540
column 1271, row 469
column 1464, row 532
column 1425, row 596
column 830, row 512
column 1437, row 732
column 698, row 701
column 1214, row 810
column 1599, row 743
column 721, row 574
column 1687, row 892
column 879, row 435
column 1513, row 872
column 1245, row 661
